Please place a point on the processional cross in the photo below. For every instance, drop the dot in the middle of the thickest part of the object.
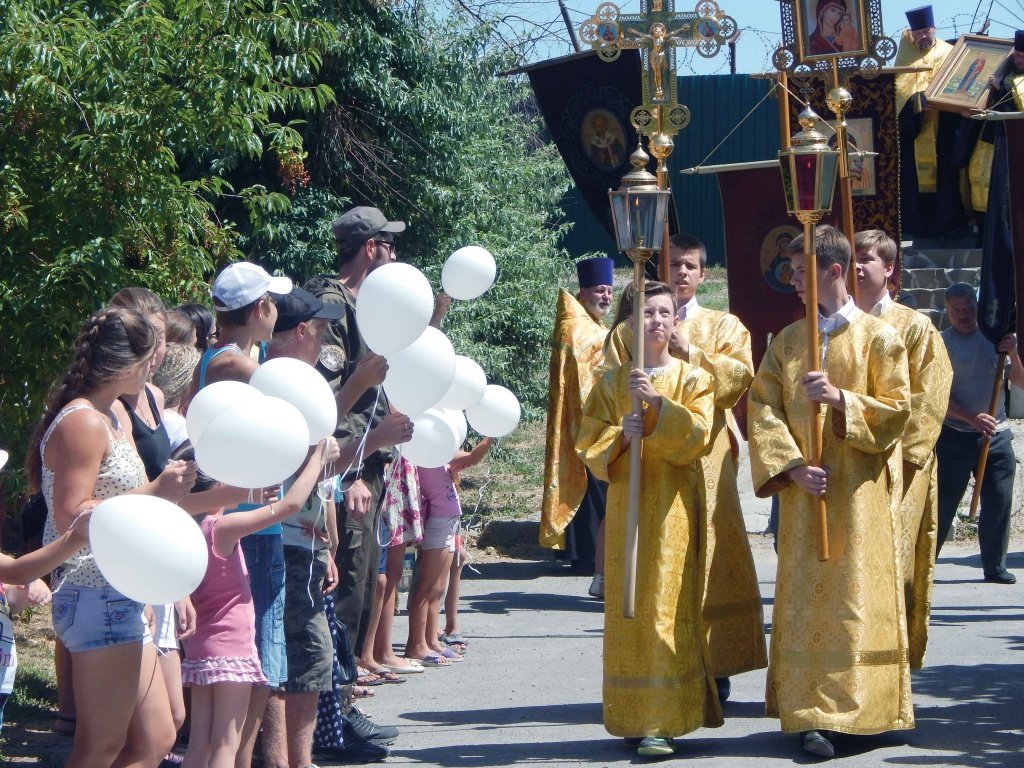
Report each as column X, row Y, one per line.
column 657, row 31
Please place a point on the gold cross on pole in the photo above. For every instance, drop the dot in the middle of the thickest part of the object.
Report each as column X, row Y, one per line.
column 657, row 31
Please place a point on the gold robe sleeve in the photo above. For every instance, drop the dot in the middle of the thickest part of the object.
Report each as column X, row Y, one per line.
column 727, row 358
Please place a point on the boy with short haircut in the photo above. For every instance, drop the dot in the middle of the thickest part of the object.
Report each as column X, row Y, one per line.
column 839, row 657
column 657, row 679
column 930, row 378
column 718, row 343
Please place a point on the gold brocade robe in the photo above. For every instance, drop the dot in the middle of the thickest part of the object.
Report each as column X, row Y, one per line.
column 931, row 376
column 657, row 672
column 909, row 83
column 733, row 616
column 577, row 351
column 839, row 658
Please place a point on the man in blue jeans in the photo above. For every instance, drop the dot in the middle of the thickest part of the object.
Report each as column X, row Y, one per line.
column 968, row 423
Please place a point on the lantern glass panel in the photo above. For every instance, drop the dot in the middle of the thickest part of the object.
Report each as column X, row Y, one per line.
column 829, row 163
column 806, row 176
column 623, row 235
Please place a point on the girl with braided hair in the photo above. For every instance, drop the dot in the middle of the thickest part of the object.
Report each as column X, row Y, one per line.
column 79, row 455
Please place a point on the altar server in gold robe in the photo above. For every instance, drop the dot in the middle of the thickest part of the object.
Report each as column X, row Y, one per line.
column 658, row 680
column 839, row 659
column 930, row 378
column 572, row 509
column 718, row 343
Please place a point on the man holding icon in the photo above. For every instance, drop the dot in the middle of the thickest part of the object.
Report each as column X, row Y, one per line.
column 365, row 240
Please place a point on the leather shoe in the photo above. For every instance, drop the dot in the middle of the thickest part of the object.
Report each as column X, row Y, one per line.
column 1001, row 577
column 814, row 743
column 724, row 687
column 357, row 727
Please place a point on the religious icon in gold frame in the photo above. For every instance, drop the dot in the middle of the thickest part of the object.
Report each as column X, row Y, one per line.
column 820, row 34
column 961, row 83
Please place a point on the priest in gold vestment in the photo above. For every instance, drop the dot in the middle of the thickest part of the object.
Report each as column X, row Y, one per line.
column 929, row 179
column 658, row 680
column 573, row 504
column 718, row 343
column 930, row 378
column 839, row 659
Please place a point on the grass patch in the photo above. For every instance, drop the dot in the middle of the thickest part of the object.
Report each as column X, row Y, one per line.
column 510, row 481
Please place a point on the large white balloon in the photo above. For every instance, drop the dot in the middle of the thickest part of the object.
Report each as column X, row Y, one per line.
column 419, row 375
column 434, row 441
column 496, row 414
column 4, row 456
column 301, row 385
column 254, row 444
column 458, row 420
column 467, row 387
column 394, row 305
column 468, row 272
column 147, row 548
column 211, row 401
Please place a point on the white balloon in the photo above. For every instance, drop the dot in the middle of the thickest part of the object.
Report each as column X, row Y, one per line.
column 468, row 272
column 147, row 548
column 211, row 401
column 458, row 420
column 394, row 305
column 467, row 387
column 496, row 414
column 254, row 444
column 434, row 441
column 4, row 456
column 419, row 375
column 301, row 385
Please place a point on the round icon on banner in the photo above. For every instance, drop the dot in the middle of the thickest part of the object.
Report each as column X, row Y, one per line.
column 775, row 265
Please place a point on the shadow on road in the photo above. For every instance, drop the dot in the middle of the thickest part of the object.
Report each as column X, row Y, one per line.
column 981, row 727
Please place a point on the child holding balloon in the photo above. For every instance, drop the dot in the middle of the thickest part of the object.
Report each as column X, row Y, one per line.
column 221, row 662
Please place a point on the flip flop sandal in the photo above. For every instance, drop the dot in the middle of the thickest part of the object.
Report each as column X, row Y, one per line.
column 369, row 678
column 388, row 677
column 435, row 660
column 412, row 668
column 456, row 642
column 451, row 655
column 361, row 692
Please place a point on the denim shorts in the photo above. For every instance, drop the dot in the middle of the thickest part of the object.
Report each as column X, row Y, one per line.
column 86, row 618
column 439, row 533
column 264, row 558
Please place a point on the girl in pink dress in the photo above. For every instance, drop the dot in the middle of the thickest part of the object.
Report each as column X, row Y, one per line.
column 221, row 663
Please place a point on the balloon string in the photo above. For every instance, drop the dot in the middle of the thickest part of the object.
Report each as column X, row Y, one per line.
column 357, row 459
column 79, row 562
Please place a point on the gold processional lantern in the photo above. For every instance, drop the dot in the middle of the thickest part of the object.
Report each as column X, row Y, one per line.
column 809, row 169
column 639, row 209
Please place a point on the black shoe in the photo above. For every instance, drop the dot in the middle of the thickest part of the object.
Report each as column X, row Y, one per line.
column 814, row 743
column 355, row 751
column 724, row 689
column 1001, row 577
column 358, row 727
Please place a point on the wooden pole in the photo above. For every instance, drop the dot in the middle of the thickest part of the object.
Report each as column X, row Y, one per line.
column 635, row 446
column 814, row 460
column 849, row 227
column 979, row 471
column 784, row 128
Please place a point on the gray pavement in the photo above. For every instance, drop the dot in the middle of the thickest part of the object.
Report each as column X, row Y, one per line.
column 529, row 690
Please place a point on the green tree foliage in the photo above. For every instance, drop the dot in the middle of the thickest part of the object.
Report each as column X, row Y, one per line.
column 425, row 128
column 119, row 122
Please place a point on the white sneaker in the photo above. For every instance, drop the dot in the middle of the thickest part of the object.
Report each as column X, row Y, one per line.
column 597, row 587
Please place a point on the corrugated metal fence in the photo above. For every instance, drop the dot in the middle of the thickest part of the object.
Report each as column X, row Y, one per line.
column 718, row 103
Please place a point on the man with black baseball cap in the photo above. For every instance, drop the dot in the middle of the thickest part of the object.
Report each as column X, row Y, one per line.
column 365, row 240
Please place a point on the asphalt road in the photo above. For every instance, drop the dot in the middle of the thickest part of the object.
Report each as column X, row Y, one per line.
column 529, row 691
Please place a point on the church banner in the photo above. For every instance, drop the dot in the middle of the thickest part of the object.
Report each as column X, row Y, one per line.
column 586, row 103
column 871, row 127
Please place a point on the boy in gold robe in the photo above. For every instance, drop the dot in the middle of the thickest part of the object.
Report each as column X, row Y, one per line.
column 718, row 343
column 839, row 659
column 930, row 378
column 657, row 674
column 572, row 509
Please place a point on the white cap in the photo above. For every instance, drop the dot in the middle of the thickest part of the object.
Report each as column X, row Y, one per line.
column 242, row 283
